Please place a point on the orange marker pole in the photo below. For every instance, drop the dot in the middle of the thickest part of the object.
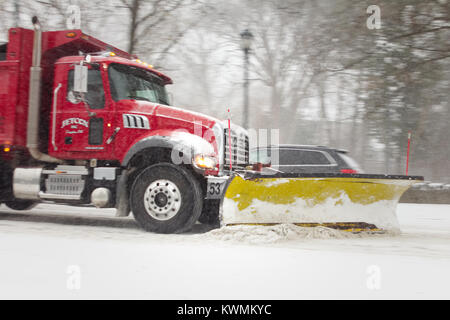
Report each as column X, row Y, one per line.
column 407, row 153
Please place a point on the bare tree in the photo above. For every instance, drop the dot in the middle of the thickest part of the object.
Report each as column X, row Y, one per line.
column 146, row 16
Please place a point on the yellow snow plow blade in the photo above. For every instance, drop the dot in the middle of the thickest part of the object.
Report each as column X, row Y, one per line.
column 347, row 202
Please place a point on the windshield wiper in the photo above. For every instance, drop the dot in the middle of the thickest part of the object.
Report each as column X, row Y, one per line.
column 140, row 98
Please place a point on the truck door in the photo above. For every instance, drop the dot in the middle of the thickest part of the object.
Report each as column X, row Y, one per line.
column 85, row 126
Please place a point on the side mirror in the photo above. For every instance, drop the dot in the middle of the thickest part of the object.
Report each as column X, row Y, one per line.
column 80, row 83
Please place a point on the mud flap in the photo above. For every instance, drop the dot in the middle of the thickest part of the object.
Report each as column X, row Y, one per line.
column 356, row 202
column 122, row 195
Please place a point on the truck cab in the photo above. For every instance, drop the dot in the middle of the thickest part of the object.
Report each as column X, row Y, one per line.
column 120, row 99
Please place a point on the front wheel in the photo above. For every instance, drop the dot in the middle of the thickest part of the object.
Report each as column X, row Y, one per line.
column 166, row 198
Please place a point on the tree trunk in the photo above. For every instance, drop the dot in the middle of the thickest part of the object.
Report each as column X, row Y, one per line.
column 134, row 9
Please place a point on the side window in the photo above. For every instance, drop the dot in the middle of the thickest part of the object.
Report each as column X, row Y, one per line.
column 95, row 97
column 290, row 157
column 3, row 51
column 302, row 157
column 314, row 157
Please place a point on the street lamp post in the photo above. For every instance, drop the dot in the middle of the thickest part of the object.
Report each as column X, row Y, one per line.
column 246, row 42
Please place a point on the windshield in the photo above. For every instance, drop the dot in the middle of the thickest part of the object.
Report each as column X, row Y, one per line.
column 128, row 82
column 260, row 156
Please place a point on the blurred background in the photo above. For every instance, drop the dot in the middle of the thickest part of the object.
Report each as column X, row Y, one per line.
column 351, row 74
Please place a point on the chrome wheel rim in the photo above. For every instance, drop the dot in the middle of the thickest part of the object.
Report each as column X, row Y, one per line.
column 162, row 200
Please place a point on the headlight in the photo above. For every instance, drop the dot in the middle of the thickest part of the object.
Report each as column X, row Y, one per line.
column 204, row 162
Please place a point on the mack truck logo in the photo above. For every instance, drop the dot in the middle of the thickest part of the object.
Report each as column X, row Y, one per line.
column 74, row 121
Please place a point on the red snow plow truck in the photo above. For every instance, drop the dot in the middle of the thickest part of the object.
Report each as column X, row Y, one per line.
column 82, row 122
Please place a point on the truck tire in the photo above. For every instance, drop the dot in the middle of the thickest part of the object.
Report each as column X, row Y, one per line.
column 210, row 213
column 6, row 191
column 166, row 198
column 20, row 205
column 5, row 182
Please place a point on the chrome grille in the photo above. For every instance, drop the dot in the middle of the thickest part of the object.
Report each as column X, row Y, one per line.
column 239, row 150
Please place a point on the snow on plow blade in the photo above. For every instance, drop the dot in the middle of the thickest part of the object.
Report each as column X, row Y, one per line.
column 357, row 202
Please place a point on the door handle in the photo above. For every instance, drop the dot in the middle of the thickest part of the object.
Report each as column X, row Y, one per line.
column 110, row 139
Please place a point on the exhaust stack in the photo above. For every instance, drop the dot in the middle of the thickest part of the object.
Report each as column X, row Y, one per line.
column 34, row 99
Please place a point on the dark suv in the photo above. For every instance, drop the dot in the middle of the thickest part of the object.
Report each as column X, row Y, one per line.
column 305, row 159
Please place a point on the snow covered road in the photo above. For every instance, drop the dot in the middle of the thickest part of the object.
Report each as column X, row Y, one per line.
column 71, row 252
